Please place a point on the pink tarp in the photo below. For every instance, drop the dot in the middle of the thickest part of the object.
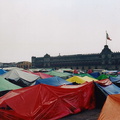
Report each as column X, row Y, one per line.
column 40, row 74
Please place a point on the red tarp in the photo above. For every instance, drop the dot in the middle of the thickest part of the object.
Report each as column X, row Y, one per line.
column 104, row 82
column 44, row 102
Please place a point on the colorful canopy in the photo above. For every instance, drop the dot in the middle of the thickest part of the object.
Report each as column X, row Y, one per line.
column 89, row 79
column 108, row 89
column 2, row 71
column 6, row 85
column 76, row 79
column 20, row 78
column 81, row 80
column 43, row 102
column 54, row 81
column 40, row 74
column 115, row 79
column 111, row 108
column 59, row 74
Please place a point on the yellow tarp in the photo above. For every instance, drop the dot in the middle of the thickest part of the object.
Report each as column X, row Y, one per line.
column 76, row 79
column 81, row 80
column 89, row 79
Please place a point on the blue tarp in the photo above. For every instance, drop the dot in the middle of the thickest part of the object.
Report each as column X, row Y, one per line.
column 2, row 71
column 95, row 74
column 110, row 89
column 54, row 81
column 115, row 79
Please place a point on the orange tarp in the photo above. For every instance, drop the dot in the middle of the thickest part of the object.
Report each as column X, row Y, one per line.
column 111, row 108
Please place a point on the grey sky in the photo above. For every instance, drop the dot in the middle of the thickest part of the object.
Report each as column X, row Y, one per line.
column 36, row 27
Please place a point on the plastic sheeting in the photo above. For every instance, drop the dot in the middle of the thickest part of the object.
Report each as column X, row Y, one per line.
column 54, row 81
column 111, row 108
column 108, row 89
column 89, row 79
column 40, row 74
column 115, row 79
column 16, row 74
column 6, row 85
column 44, row 102
column 20, row 78
column 59, row 74
column 84, row 74
column 2, row 71
column 76, row 79
column 95, row 74
column 103, row 76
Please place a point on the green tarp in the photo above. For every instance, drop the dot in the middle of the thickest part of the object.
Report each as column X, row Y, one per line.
column 84, row 74
column 59, row 74
column 6, row 85
column 103, row 76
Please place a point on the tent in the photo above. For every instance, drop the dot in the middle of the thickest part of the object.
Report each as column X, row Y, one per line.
column 108, row 89
column 44, row 102
column 76, row 79
column 84, row 74
column 101, row 92
column 115, row 80
column 40, row 74
column 89, row 79
column 111, row 108
column 20, row 78
column 59, row 74
column 2, row 71
column 43, row 75
column 103, row 76
column 95, row 74
column 11, row 68
column 54, row 81
column 110, row 72
column 6, row 86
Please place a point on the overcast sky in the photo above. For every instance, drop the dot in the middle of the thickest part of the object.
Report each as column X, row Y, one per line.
column 36, row 27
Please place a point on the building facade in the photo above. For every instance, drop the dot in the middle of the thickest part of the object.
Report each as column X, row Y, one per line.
column 5, row 65
column 104, row 60
column 24, row 65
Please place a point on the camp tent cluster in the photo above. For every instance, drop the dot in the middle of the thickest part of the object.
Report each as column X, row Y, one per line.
column 50, row 95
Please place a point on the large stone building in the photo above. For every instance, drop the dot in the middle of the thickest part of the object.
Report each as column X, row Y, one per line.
column 24, row 65
column 104, row 60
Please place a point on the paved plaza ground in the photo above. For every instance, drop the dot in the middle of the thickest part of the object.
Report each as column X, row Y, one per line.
column 84, row 115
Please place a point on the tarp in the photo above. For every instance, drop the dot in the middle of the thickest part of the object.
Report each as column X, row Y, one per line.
column 20, row 78
column 76, row 79
column 59, row 74
column 40, row 74
column 44, row 102
column 43, row 75
column 2, row 71
column 115, row 79
column 104, row 82
column 54, row 81
column 100, row 94
column 81, row 80
column 111, row 108
column 108, row 89
column 6, row 85
column 95, row 74
column 110, row 72
column 89, row 79
column 84, row 74
column 103, row 76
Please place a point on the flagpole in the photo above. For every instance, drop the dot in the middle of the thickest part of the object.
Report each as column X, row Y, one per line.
column 106, row 37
